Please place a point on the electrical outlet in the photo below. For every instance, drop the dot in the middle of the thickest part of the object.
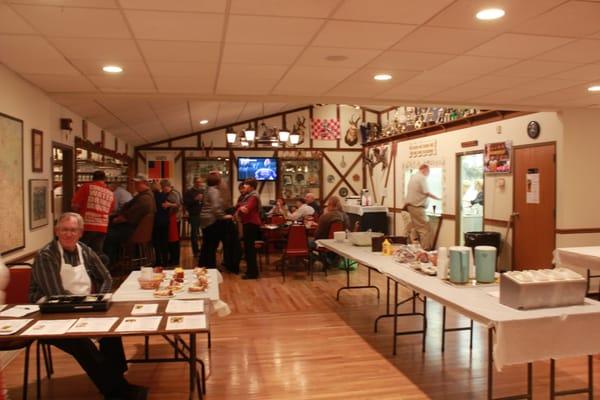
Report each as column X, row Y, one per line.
column 499, row 129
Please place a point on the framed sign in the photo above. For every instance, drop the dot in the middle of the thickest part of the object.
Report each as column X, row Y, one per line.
column 38, row 203
column 37, row 150
column 497, row 157
column 12, row 212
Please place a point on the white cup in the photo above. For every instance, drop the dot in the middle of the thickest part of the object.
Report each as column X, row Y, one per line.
column 146, row 273
column 339, row 236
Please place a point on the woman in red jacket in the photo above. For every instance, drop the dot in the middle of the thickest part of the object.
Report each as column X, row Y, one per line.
column 248, row 213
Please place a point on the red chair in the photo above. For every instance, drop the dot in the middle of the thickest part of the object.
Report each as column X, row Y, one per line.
column 17, row 292
column 297, row 247
column 321, row 252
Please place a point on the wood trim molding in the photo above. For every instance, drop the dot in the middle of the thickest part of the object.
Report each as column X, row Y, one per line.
column 575, row 231
column 22, row 258
column 495, row 222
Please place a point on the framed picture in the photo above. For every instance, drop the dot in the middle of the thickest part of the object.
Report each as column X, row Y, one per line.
column 12, row 212
column 38, row 203
column 497, row 157
column 37, row 150
column 287, row 179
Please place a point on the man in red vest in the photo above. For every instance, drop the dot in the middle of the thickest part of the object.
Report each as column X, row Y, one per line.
column 95, row 202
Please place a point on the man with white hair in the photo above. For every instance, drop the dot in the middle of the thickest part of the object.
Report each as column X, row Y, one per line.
column 312, row 202
column 66, row 266
column 417, row 201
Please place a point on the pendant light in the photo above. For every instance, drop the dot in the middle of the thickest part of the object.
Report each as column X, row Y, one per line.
column 249, row 133
column 284, row 136
column 294, row 138
column 231, row 136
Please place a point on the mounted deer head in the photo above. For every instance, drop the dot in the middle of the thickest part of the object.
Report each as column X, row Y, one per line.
column 351, row 137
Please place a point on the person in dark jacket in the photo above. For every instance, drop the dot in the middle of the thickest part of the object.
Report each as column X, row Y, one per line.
column 123, row 225
column 248, row 213
column 192, row 200
column 160, row 230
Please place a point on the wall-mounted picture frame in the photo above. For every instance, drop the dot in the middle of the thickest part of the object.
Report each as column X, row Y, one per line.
column 38, row 203
column 37, row 150
column 497, row 158
column 287, row 179
column 12, row 208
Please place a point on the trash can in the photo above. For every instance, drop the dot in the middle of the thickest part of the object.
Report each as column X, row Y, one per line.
column 473, row 239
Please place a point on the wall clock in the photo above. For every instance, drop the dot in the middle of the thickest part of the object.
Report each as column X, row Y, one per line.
column 533, row 129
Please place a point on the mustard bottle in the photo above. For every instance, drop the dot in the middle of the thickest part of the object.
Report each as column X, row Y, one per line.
column 386, row 248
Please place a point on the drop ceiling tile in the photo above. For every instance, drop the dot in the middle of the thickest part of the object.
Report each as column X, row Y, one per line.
column 473, row 65
column 587, row 72
column 109, row 50
column 461, row 14
column 94, row 67
column 183, row 70
column 60, row 83
column 459, row 94
column 366, row 75
column 200, row 110
column 75, row 22
column 179, row 51
column 271, row 30
column 141, row 84
column 317, row 56
column 257, row 54
column 184, row 85
column 535, row 69
column 364, row 35
column 10, row 22
column 229, row 111
column 573, row 19
column 33, row 55
column 208, row 6
column 69, row 3
column 310, row 80
column 442, row 40
column 518, row 46
column 406, row 60
column 497, row 82
column 409, row 90
column 405, row 12
column 248, row 79
column 534, row 88
column 443, row 80
column 579, row 51
column 175, row 25
column 357, row 89
column 304, row 8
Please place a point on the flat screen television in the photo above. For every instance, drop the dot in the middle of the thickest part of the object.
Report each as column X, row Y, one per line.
column 260, row 168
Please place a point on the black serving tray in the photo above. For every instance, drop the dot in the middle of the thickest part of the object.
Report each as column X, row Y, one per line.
column 75, row 303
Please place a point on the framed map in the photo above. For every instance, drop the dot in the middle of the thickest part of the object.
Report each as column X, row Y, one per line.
column 12, row 213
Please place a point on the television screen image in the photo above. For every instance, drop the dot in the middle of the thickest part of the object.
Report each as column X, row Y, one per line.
column 260, row 168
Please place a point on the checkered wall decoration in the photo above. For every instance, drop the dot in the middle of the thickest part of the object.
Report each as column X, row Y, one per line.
column 325, row 129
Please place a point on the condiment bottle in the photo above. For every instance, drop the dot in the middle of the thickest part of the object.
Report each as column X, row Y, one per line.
column 386, row 248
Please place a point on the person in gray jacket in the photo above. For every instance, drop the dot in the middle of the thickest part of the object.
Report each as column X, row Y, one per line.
column 212, row 218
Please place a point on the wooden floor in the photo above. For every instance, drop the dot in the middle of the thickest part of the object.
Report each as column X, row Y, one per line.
column 293, row 340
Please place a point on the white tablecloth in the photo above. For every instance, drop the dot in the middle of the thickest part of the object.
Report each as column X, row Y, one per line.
column 130, row 291
column 578, row 258
column 521, row 336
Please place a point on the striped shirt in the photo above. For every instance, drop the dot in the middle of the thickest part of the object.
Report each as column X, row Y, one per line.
column 45, row 274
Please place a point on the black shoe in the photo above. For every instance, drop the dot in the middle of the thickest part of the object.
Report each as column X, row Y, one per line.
column 247, row 277
column 130, row 392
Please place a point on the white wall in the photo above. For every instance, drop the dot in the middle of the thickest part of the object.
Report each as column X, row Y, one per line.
column 24, row 101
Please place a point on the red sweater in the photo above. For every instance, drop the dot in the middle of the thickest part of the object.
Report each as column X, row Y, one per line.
column 94, row 201
column 253, row 215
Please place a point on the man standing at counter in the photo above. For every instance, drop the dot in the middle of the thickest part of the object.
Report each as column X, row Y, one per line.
column 417, row 201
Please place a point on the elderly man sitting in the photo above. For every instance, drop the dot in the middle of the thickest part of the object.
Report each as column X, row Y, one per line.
column 66, row 266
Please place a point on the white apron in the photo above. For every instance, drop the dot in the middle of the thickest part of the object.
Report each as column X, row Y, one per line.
column 75, row 278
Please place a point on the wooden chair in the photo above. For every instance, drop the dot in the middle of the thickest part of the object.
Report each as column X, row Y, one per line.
column 297, row 247
column 17, row 292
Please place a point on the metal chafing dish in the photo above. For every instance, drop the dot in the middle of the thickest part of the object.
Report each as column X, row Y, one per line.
column 544, row 288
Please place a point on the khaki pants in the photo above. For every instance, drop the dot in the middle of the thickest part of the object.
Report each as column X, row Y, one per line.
column 420, row 224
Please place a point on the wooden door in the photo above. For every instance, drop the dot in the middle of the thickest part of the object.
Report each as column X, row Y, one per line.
column 534, row 206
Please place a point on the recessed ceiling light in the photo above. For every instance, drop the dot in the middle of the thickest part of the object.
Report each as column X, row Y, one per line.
column 112, row 69
column 204, row 121
column 382, row 77
column 489, row 14
column 595, row 88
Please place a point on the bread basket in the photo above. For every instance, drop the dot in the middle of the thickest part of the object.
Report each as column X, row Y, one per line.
column 149, row 284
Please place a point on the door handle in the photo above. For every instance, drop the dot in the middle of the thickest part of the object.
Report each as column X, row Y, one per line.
column 514, row 214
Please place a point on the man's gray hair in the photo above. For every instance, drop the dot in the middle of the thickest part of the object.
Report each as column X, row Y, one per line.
column 67, row 215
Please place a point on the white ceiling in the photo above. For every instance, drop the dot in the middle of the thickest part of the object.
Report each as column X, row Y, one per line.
column 228, row 60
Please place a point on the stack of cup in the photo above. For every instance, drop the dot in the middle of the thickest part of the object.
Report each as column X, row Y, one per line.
column 442, row 263
column 460, row 263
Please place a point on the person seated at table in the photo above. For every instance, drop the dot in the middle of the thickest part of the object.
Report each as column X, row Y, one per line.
column 66, row 266
column 333, row 213
column 312, row 202
column 303, row 210
column 124, row 224
column 280, row 208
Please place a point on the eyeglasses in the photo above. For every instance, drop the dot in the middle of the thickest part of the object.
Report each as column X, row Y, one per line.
column 69, row 230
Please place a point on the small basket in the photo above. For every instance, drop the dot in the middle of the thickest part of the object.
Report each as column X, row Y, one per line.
column 151, row 284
